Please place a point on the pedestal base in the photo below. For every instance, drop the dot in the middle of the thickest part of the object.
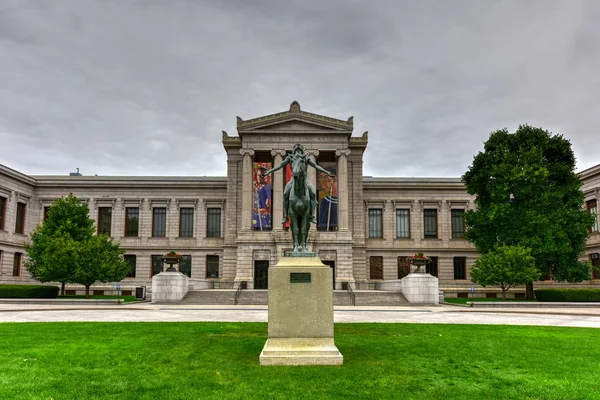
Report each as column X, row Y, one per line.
column 421, row 288
column 301, row 351
column 169, row 286
column 300, row 314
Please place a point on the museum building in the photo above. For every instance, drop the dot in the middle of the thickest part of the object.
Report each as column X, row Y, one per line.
column 230, row 229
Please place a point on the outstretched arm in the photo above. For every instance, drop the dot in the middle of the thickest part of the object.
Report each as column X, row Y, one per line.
column 285, row 161
column 318, row 168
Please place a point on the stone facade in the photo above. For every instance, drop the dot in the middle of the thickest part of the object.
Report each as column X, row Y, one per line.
column 363, row 259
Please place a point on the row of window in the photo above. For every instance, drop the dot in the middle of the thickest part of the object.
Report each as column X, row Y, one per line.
column 159, row 221
column 185, row 266
column 430, row 223
column 376, row 267
column 20, row 220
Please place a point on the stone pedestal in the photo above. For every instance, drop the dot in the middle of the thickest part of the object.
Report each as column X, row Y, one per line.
column 421, row 288
column 300, row 314
column 169, row 286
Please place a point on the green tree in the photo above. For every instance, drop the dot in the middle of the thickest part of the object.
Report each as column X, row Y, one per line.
column 505, row 267
column 64, row 248
column 527, row 194
column 99, row 259
column 53, row 247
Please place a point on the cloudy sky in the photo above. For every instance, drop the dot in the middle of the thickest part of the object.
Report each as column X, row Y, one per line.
column 146, row 87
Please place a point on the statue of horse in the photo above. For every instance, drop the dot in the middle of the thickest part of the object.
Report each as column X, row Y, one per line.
column 299, row 205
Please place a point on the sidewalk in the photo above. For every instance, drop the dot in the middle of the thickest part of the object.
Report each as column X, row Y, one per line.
column 444, row 314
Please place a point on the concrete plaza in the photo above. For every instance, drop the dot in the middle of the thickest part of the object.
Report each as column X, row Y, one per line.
column 444, row 314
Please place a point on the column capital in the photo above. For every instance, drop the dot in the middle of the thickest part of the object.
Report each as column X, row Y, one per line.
column 275, row 153
column 338, row 153
column 249, row 152
column 314, row 153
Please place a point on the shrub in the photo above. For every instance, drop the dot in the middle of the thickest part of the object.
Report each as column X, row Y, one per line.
column 28, row 292
column 567, row 295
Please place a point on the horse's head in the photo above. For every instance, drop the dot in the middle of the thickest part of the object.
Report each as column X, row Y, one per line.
column 298, row 168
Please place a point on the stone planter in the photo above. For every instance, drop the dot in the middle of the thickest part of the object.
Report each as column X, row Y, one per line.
column 420, row 262
column 171, row 261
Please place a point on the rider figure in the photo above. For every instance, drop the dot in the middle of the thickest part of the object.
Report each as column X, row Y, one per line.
column 298, row 152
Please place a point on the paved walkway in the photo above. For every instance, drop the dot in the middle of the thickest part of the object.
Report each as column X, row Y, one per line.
column 445, row 314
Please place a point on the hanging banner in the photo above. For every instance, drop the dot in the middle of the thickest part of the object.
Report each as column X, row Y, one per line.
column 262, row 193
column 286, row 179
column 327, row 198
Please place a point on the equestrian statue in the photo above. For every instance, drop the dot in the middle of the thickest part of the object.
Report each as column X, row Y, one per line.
column 299, row 196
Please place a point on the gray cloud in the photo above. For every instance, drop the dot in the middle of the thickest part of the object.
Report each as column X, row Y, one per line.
column 145, row 87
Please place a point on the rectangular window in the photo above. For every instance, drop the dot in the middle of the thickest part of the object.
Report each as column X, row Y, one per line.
column 159, row 222
column 131, row 259
column 157, row 264
column 592, row 207
column 132, row 221
column 104, row 220
column 213, row 223
column 17, row 264
column 186, row 222
column 458, row 223
column 595, row 265
column 375, row 223
column 403, row 266
column 2, row 212
column 376, row 267
column 432, row 267
column 430, row 222
column 185, row 266
column 212, row 267
column 402, row 223
column 20, row 224
column 460, row 267
column 46, row 209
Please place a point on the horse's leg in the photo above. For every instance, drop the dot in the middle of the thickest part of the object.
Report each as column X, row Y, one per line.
column 294, row 228
column 305, row 227
column 286, row 200
column 313, row 201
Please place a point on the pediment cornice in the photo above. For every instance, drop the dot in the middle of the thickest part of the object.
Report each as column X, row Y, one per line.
column 295, row 114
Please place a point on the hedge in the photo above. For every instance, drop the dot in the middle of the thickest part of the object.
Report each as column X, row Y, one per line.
column 28, row 292
column 567, row 295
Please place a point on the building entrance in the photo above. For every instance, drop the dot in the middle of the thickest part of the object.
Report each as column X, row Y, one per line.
column 332, row 265
column 261, row 274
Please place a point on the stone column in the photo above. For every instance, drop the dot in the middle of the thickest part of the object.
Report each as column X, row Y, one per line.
column 312, row 173
column 278, row 179
column 246, row 188
column 342, row 189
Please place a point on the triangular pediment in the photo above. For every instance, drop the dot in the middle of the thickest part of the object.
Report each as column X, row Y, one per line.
column 294, row 120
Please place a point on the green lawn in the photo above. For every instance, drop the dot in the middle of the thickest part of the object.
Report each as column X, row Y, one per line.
column 464, row 300
column 103, row 297
column 220, row 361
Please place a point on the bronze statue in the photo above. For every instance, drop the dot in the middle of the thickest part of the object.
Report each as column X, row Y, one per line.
column 299, row 196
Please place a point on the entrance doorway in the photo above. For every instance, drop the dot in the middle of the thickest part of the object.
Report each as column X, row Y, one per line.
column 261, row 274
column 332, row 265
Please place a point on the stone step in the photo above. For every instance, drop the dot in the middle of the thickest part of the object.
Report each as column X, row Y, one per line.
column 260, row 297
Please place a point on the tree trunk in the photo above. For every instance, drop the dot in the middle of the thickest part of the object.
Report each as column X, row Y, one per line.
column 504, row 294
column 62, row 288
column 87, row 291
column 529, row 291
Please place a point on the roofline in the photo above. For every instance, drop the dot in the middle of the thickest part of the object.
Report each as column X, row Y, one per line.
column 17, row 175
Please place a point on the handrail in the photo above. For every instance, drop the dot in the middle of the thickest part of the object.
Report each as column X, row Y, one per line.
column 351, row 294
column 238, row 293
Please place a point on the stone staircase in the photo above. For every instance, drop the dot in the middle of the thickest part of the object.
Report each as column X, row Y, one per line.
column 260, row 297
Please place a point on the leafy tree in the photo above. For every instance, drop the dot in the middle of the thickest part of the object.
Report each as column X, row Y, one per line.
column 64, row 248
column 504, row 267
column 99, row 259
column 52, row 250
column 529, row 195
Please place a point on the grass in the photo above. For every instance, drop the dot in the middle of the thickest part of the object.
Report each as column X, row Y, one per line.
column 220, row 361
column 464, row 300
column 103, row 297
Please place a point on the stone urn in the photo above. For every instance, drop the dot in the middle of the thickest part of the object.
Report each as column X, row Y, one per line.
column 171, row 259
column 419, row 262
